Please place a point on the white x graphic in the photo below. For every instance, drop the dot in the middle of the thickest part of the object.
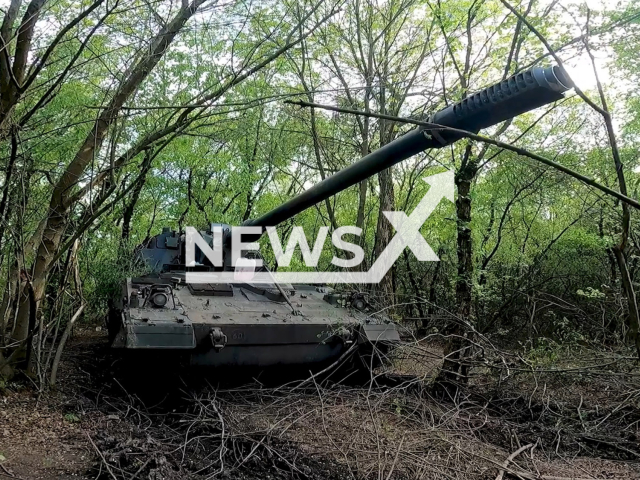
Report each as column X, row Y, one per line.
column 407, row 235
column 408, row 227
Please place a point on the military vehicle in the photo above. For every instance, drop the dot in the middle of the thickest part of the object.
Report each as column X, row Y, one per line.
column 268, row 324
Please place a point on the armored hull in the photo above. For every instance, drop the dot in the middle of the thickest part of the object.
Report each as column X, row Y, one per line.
column 246, row 324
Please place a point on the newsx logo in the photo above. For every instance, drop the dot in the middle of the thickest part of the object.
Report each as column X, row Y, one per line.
column 407, row 235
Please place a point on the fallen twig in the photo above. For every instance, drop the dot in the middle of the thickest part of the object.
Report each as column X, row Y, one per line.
column 104, row 460
column 395, row 460
column 612, row 444
column 510, row 459
column 8, row 473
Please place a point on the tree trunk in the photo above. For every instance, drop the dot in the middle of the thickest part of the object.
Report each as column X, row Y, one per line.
column 135, row 195
column 631, row 297
column 5, row 211
column 387, row 200
column 454, row 371
column 60, row 204
column 416, row 291
column 63, row 341
column 12, row 73
column 384, row 233
column 362, row 186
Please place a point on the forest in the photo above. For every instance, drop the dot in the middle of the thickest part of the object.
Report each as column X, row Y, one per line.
column 119, row 118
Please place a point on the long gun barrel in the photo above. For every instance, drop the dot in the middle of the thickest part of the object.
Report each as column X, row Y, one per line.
column 518, row 94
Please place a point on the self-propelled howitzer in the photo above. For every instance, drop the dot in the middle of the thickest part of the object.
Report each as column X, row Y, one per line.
column 268, row 324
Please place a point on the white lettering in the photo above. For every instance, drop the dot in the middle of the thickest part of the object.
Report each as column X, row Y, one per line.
column 358, row 253
column 297, row 237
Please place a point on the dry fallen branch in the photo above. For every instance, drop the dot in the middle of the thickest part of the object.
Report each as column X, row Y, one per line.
column 104, row 461
column 510, row 459
column 383, row 429
column 8, row 473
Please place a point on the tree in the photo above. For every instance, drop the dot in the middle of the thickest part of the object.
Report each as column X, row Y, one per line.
column 80, row 186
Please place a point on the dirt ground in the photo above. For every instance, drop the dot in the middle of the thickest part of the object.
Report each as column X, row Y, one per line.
column 111, row 419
